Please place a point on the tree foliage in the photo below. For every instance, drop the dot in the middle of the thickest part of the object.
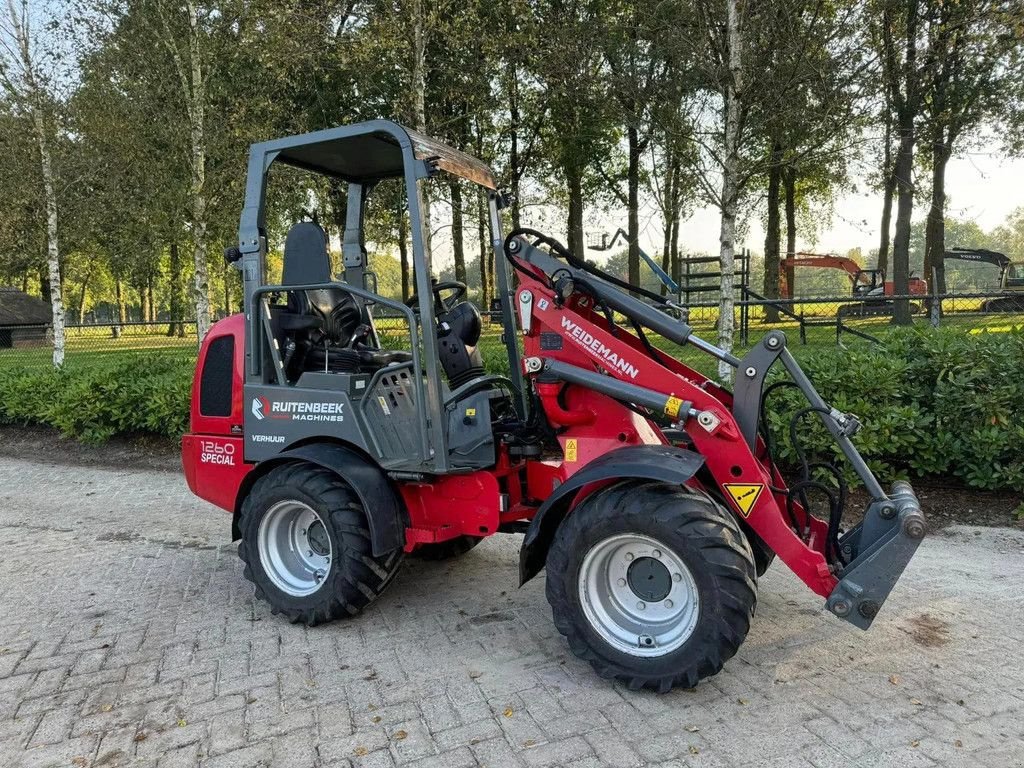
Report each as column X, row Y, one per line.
column 581, row 106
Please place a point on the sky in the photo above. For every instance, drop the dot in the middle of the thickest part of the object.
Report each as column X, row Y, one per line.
column 983, row 185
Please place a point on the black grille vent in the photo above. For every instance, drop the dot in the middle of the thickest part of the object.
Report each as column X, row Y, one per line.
column 215, row 383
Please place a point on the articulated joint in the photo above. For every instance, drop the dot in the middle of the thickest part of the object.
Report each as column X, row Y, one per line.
column 557, row 415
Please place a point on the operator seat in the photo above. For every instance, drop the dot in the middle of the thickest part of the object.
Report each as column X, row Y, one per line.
column 306, row 261
column 325, row 327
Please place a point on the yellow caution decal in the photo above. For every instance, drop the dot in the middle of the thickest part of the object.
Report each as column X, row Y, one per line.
column 744, row 495
column 672, row 406
column 570, row 449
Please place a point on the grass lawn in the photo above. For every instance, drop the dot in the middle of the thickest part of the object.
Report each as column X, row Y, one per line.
column 98, row 346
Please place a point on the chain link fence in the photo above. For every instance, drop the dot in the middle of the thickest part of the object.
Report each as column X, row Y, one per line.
column 840, row 320
column 32, row 345
column 821, row 321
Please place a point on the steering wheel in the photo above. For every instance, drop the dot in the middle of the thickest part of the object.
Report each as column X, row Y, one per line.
column 441, row 305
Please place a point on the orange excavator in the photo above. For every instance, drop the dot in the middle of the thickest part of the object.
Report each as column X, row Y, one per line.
column 864, row 282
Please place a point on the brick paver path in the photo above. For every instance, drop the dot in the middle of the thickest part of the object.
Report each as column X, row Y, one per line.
column 128, row 637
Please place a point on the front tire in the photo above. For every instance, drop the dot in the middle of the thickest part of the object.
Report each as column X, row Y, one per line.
column 306, row 546
column 652, row 584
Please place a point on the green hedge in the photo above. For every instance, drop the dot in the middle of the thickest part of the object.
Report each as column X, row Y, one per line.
column 932, row 403
column 94, row 402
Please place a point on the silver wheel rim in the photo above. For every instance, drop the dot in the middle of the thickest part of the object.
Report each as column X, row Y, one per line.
column 627, row 600
column 295, row 549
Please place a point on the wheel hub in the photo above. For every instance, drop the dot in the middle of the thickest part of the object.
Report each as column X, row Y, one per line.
column 638, row 595
column 649, row 579
column 294, row 548
column 318, row 539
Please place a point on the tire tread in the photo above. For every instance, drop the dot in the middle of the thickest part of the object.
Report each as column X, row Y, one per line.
column 693, row 516
column 357, row 577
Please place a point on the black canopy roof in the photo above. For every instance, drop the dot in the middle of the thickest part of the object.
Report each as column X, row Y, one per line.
column 373, row 150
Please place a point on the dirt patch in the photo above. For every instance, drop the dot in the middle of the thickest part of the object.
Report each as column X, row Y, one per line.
column 492, row 618
column 46, row 446
column 927, row 630
column 945, row 502
column 124, row 536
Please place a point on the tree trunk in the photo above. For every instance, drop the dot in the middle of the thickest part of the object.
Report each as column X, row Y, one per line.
column 403, row 250
column 773, row 234
column 888, row 192
column 883, row 246
column 515, row 172
column 904, row 210
column 789, row 186
column 36, row 104
column 730, row 189
column 336, row 194
column 667, row 211
column 152, row 300
column 119, row 298
column 458, row 245
column 143, row 303
column 481, row 232
column 175, row 301
column 906, row 114
column 677, row 267
column 633, row 205
column 52, row 246
column 84, row 291
column 228, row 270
column 196, row 98
column 574, row 182
column 935, row 228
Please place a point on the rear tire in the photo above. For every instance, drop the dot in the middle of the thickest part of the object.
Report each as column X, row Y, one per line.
column 306, row 546
column 446, row 550
column 658, row 563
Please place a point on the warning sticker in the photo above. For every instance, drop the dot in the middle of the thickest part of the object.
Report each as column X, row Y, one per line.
column 744, row 495
column 672, row 406
column 570, row 449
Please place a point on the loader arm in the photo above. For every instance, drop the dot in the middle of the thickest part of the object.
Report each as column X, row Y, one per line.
column 567, row 314
column 981, row 255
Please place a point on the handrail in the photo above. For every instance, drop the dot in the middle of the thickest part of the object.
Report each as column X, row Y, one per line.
column 414, row 338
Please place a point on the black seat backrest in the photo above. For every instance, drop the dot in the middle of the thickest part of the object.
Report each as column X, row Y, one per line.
column 458, row 333
column 307, row 261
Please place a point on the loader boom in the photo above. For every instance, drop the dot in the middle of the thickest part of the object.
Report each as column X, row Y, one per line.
column 562, row 299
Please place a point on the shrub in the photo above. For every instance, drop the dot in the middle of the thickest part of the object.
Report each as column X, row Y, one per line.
column 932, row 403
column 92, row 403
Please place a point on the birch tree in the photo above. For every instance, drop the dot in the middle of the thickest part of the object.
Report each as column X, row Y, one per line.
column 192, row 74
column 730, row 181
column 26, row 87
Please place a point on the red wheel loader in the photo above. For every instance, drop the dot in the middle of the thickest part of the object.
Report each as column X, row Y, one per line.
column 645, row 490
